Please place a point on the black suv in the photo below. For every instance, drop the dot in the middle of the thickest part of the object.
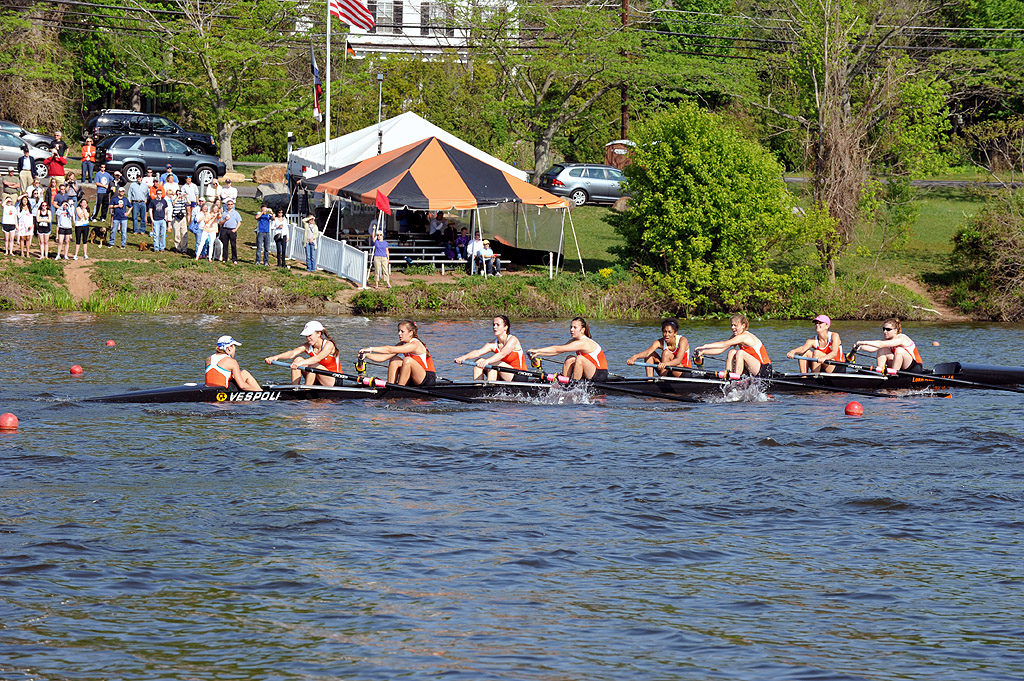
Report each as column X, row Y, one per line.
column 121, row 122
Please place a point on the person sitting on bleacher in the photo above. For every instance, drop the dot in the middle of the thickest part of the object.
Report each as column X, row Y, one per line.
column 461, row 242
column 486, row 258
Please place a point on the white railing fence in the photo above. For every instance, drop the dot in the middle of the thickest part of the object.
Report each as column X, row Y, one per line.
column 332, row 255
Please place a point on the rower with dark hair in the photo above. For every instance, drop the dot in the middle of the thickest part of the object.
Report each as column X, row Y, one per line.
column 409, row 362
column 588, row 362
column 894, row 351
column 507, row 353
column 747, row 354
column 826, row 344
column 671, row 350
column 320, row 350
column 222, row 370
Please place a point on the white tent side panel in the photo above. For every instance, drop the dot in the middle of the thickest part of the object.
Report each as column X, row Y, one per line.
column 397, row 132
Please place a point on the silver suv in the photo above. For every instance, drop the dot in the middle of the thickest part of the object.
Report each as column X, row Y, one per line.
column 584, row 182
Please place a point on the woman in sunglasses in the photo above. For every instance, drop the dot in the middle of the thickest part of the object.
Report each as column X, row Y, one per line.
column 894, row 351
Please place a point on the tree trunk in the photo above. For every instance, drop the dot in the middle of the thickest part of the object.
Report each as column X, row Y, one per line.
column 224, row 134
column 541, row 155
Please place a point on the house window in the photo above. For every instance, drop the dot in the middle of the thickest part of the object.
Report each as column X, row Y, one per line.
column 436, row 18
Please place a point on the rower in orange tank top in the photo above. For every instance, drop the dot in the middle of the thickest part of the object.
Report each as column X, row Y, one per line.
column 826, row 344
column 747, row 354
column 894, row 351
column 409, row 362
column 320, row 352
column 588, row 362
column 506, row 349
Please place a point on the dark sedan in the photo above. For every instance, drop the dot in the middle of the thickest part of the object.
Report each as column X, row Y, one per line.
column 133, row 155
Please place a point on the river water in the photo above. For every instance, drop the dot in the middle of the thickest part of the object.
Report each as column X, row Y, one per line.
column 607, row 538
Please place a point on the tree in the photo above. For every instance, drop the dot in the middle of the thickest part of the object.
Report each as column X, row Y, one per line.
column 557, row 61
column 229, row 59
column 35, row 71
column 710, row 222
column 848, row 73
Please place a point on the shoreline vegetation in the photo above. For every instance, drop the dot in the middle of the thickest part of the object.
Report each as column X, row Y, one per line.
column 911, row 283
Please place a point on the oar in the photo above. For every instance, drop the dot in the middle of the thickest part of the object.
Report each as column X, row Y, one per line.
column 931, row 377
column 780, row 381
column 378, row 383
column 540, row 375
column 640, row 393
column 538, row 360
column 564, row 380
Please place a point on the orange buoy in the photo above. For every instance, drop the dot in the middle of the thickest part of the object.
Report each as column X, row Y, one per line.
column 8, row 421
column 76, row 370
column 854, row 409
column 111, row 343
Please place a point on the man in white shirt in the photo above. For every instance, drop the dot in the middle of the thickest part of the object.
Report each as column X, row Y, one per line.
column 437, row 225
column 212, row 191
column 228, row 193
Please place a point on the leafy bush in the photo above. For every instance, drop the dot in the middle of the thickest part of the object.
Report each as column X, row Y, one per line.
column 988, row 261
column 710, row 225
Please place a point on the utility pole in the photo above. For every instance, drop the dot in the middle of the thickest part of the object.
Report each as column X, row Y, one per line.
column 624, row 87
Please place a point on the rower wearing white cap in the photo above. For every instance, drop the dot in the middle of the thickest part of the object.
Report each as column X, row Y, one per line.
column 320, row 351
column 222, row 370
column 825, row 345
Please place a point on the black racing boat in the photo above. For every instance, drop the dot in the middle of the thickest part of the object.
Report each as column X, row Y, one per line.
column 697, row 383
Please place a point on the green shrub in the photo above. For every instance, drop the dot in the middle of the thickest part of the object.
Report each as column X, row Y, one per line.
column 710, row 224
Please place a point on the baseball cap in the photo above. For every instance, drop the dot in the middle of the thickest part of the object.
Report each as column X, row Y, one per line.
column 227, row 181
column 226, row 341
column 312, row 327
column 168, row 166
column 824, row 319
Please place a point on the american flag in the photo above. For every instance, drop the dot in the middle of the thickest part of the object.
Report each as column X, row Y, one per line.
column 318, row 88
column 352, row 12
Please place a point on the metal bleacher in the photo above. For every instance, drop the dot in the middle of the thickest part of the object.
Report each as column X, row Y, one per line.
column 414, row 250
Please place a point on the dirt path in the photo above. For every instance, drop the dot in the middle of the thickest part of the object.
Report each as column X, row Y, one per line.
column 936, row 300
column 80, row 284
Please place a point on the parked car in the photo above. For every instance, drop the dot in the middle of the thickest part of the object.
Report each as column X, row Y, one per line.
column 133, row 155
column 34, row 139
column 121, row 122
column 11, row 150
column 584, row 182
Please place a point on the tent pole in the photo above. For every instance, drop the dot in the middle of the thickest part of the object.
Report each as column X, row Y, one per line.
column 577, row 241
column 561, row 244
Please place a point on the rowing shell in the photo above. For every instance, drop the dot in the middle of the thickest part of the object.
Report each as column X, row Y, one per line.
column 192, row 392
column 697, row 383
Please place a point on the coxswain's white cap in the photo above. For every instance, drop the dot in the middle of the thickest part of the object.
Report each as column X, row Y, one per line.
column 226, row 341
column 311, row 327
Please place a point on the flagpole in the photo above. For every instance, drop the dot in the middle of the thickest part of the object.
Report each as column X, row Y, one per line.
column 327, row 127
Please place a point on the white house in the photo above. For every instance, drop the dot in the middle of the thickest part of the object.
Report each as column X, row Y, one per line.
column 418, row 26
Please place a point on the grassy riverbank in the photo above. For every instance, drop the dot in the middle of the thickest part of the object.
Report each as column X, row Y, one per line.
column 871, row 282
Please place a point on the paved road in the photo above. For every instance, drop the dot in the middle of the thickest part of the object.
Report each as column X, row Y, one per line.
column 937, row 183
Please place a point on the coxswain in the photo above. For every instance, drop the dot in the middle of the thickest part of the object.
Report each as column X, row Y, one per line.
column 747, row 354
column 409, row 362
column 320, row 352
column 671, row 350
column 506, row 352
column 588, row 362
column 825, row 345
column 894, row 351
column 222, row 370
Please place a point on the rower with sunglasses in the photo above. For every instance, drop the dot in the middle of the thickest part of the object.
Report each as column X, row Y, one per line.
column 894, row 351
column 825, row 345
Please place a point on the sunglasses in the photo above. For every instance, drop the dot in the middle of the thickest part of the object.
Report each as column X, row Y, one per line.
column 888, row 328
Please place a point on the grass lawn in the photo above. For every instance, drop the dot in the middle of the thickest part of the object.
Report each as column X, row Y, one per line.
column 595, row 238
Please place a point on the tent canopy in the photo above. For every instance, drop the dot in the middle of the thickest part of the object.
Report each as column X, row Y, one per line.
column 396, row 132
column 431, row 175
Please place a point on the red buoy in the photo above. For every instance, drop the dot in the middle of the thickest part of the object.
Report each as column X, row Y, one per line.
column 8, row 421
column 854, row 409
column 76, row 370
column 111, row 343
